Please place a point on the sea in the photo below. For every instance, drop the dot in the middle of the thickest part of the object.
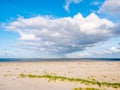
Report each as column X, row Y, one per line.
column 55, row 59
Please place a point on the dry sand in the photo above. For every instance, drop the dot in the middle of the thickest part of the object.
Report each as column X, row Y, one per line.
column 102, row 71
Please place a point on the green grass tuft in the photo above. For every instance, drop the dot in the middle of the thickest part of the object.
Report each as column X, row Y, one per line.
column 88, row 88
column 62, row 78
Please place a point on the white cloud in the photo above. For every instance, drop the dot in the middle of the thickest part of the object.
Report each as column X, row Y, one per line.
column 27, row 37
column 109, row 51
column 110, row 7
column 2, row 52
column 100, row 53
column 96, row 3
column 62, row 35
column 68, row 2
column 78, row 55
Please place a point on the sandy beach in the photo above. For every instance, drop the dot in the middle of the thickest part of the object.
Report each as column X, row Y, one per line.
column 102, row 71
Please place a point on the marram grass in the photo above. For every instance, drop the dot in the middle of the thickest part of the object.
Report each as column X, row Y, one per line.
column 87, row 88
column 63, row 78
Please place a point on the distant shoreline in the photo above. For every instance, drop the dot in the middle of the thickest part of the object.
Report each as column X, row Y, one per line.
column 55, row 59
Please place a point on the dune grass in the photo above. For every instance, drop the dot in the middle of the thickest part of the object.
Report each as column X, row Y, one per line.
column 63, row 78
column 87, row 88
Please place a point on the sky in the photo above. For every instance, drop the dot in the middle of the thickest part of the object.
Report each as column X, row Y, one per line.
column 59, row 29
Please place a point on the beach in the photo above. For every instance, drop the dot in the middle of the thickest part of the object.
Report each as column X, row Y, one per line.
column 102, row 71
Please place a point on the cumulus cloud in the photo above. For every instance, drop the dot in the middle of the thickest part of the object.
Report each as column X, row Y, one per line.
column 27, row 37
column 106, row 52
column 62, row 35
column 117, row 29
column 68, row 2
column 110, row 7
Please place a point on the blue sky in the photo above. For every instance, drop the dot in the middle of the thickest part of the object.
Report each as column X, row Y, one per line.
column 59, row 28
